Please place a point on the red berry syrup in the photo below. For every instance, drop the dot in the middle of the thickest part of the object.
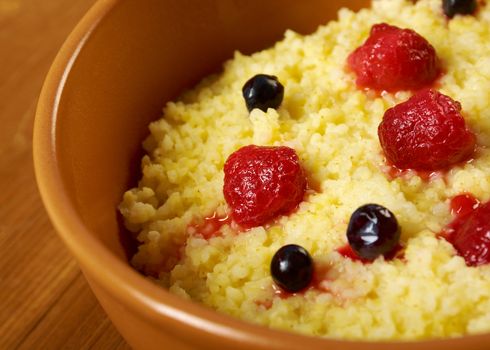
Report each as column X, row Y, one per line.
column 211, row 226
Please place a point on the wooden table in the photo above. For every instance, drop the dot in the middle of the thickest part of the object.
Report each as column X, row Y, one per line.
column 45, row 302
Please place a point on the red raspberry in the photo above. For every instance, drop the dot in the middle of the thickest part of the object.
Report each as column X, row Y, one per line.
column 472, row 238
column 262, row 182
column 426, row 132
column 394, row 59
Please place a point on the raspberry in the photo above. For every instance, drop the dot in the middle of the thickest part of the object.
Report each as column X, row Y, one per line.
column 471, row 239
column 262, row 182
column 394, row 59
column 426, row 132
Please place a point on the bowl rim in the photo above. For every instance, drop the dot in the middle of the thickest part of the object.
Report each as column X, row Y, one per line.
column 133, row 290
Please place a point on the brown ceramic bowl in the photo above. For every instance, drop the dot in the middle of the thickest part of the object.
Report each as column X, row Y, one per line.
column 120, row 65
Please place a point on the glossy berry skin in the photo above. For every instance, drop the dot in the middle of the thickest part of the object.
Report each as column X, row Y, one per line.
column 373, row 231
column 262, row 183
column 263, row 91
column 452, row 8
column 471, row 238
column 292, row 268
column 426, row 132
column 394, row 59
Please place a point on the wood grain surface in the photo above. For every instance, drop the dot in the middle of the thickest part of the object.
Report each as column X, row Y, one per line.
column 45, row 302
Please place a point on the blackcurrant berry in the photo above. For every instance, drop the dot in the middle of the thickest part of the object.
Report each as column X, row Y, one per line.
column 263, row 92
column 458, row 7
column 373, row 231
column 292, row 268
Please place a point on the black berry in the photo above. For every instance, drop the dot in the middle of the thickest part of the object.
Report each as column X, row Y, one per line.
column 373, row 231
column 292, row 268
column 458, row 7
column 263, row 92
